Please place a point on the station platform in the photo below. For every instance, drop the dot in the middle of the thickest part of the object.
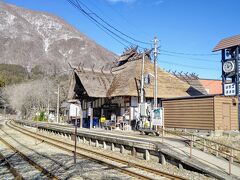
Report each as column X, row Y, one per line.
column 173, row 145
column 177, row 144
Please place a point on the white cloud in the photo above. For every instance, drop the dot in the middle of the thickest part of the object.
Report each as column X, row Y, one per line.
column 123, row 1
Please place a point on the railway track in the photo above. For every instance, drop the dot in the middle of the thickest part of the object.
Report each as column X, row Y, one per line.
column 17, row 175
column 132, row 169
column 14, row 172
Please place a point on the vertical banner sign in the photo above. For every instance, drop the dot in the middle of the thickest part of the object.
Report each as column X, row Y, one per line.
column 157, row 119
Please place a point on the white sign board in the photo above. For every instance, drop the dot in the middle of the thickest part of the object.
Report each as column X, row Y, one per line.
column 144, row 109
column 157, row 117
column 74, row 110
column 90, row 111
column 230, row 89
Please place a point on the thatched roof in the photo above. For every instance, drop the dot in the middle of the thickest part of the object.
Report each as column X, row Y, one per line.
column 124, row 80
column 96, row 84
column 127, row 81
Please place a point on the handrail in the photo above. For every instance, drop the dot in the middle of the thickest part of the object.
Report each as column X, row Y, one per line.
column 229, row 153
column 190, row 134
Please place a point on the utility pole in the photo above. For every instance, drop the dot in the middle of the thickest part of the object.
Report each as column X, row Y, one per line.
column 48, row 102
column 155, row 71
column 58, row 99
column 142, row 79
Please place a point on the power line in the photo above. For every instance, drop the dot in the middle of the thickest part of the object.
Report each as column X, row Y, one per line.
column 112, row 26
column 77, row 5
column 194, row 59
column 126, row 20
column 190, row 54
column 189, row 66
column 117, row 35
column 124, row 45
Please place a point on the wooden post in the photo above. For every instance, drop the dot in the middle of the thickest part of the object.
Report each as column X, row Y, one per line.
column 191, row 146
column 230, row 168
column 163, row 126
column 204, row 145
column 217, row 153
column 231, row 152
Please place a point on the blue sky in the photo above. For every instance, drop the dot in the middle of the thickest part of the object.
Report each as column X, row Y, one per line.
column 184, row 26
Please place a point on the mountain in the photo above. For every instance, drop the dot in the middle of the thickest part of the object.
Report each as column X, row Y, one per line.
column 38, row 39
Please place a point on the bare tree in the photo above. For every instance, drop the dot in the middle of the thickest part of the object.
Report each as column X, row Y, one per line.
column 33, row 96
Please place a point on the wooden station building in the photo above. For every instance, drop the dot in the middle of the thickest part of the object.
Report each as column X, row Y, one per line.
column 117, row 91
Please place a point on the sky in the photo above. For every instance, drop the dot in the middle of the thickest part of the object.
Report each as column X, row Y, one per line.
column 188, row 30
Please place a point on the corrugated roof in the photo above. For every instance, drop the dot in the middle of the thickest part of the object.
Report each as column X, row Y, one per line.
column 212, row 86
column 197, row 88
column 227, row 43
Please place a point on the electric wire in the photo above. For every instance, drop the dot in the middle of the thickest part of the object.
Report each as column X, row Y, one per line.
column 127, row 20
column 70, row 2
column 79, row 7
column 189, row 66
column 108, row 24
column 190, row 54
column 77, row 4
column 191, row 58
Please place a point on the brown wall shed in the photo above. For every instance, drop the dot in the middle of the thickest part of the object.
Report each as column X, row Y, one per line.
column 203, row 113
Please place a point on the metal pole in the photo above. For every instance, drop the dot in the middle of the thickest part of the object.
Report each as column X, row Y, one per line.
column 223, row 77
column 48, row 105
column 58, row 104
column 142, row 79
column 142, row 87
column 237, row 69
column 230, row 161
column 155, row 71
column 163, row 126
column 75, row 138
column 80, row 115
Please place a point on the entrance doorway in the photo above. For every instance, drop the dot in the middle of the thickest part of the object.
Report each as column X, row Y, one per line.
column 226, row 119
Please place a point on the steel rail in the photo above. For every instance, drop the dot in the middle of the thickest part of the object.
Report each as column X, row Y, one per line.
column 63, row 145
column 114, row 159
column 11, row 168
column 30, row 161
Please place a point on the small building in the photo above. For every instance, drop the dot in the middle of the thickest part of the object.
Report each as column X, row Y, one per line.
column 212, row 112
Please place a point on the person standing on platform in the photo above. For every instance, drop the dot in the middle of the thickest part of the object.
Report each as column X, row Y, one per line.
column 102, row 120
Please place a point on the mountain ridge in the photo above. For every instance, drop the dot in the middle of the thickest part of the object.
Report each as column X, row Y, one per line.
column 33, row 38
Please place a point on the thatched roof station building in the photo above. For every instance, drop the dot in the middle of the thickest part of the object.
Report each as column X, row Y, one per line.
column 118, row 90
